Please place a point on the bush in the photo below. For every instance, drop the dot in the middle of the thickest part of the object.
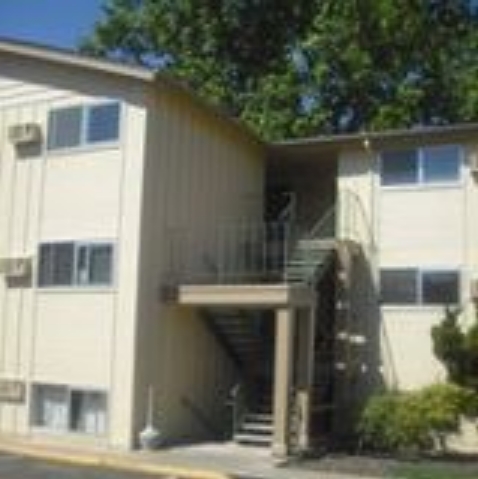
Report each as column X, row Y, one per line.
column 415, row 421
column 457, row 349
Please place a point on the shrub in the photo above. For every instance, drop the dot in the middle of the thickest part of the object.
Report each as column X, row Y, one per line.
column 415, row 421
column 457, row 349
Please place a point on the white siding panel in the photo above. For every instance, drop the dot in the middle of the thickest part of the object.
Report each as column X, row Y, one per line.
column 407, row 348
column 424, row 227
column 72, row 341
column 88, row 194
column 88, row 185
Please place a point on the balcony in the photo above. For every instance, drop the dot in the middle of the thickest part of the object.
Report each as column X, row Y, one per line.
column 232, row 253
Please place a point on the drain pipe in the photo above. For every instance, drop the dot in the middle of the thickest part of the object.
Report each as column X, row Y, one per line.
column 150, row 437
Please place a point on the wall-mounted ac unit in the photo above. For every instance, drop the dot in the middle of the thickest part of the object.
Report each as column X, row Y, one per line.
column 474, row 289
column 15, row 267
column 24, row 133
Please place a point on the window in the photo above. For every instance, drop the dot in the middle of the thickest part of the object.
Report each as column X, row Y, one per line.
column 103, row 123
column 399, row 167
column 82, row 125
column 88, row 412
column 413, row 286
column 64, row 128
column 399, row 286
column 70, row 264
column 61, row 408
column 441, row 164
column 50, row 407
column 431, row 165
column 440, row 287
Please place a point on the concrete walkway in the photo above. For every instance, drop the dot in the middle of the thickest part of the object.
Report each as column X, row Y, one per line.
column 205, row 461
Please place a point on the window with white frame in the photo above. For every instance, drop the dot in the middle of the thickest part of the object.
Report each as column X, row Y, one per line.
column 410, row 286
column 76, row 126
column 61, row 408
column 75, row 264
column 430, row 165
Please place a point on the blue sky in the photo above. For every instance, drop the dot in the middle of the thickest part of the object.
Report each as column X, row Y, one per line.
column 59, row 23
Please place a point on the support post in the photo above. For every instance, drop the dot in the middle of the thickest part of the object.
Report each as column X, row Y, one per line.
column 284, row 352
column 305, row 379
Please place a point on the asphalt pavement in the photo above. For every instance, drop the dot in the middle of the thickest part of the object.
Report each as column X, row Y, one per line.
column 19, row 467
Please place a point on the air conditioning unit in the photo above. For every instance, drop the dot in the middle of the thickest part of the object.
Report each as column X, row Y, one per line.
column 24, row 134
column 15, row 267
column 474, row 289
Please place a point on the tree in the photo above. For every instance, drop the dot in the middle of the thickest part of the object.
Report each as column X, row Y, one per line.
column 304, row 67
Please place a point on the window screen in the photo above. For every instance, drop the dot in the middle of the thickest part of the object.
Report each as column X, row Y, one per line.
column 398, row 286
column 399, row 167
column 50, row 407
column 441, row 164
column 64, row 128
column 56, row 264
column 88, row 412
column 440, row 287
column 103, row 123
column 100, row 267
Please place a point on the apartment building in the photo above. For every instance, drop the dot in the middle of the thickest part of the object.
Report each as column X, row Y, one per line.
column 157, row 259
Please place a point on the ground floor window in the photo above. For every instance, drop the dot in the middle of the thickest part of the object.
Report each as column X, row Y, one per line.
column 402, row 286
column 62, row 408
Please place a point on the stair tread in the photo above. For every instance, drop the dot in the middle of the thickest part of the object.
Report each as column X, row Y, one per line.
column 253, row 438
column 259, row 427
column 258, row 417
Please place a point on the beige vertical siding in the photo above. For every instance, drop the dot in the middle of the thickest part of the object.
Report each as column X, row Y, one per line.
column 77, row 338
column 432, row 227
column 200, row 173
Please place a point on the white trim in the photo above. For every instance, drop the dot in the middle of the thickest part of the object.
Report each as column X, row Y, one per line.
column 56, row 55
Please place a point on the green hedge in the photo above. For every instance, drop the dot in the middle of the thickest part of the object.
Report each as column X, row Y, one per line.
column 415, row 421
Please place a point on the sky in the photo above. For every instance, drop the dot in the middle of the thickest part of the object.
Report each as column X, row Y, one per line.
column 59, row 23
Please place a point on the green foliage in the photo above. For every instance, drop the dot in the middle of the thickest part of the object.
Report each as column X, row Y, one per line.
column 416, row 420
column 457, row 349
column 303, row 67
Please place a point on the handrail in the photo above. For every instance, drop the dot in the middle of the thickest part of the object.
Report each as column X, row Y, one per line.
column 322, row 222
column 238, row 402
column 288, row 213
column 200, row 416
column 350, row 196
column 349, row 216
column 252, row 252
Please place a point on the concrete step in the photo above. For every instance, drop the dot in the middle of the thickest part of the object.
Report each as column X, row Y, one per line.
column 258, row 418
column 255, row 439
column 255, row 427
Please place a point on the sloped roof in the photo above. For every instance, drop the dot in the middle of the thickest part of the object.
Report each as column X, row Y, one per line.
column 72, row 59
column 378, row 140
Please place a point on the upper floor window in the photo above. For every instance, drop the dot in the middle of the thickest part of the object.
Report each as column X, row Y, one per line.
column 430, row 165
column 410, row 286
column 75, row 264
column 75, row 126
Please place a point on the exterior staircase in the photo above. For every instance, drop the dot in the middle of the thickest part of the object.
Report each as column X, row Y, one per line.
column 255, row 429
column 241, row 333
column 309, row 260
